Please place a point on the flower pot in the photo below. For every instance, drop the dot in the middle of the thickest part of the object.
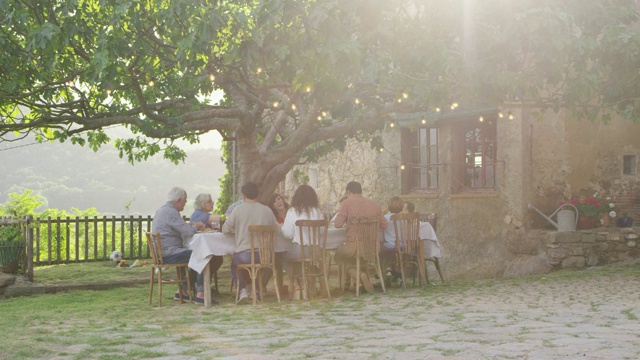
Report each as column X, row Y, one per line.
column 585, row 222
column 625, row 221
column 605, row 220
column 10, row 255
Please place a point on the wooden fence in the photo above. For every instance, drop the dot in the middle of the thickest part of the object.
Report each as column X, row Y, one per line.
column 50, row 241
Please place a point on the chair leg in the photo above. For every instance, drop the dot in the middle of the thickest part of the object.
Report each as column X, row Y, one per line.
column 305, row 289
column 159, row 287
column 253, row 284
column 357, row 276
column 151, row 281
column 379, row 270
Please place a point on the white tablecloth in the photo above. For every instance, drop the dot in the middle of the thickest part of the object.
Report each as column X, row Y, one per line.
column 431, row 243
column 206, row 244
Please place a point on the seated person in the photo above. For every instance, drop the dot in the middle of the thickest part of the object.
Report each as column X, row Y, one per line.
column 172, row 229
column 279, row 207
column 204, row 206
column 251, row 212
column 356, row 205
column 304, row 206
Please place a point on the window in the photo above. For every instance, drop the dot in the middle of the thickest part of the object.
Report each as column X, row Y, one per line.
column 474, row 156
column 420, row 158
column 629, row 164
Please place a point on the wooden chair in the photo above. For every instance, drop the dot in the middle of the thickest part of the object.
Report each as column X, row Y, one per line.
column 432, row 219
column 367, row 246
column 313, row 234
column 263, row 240
column 155, row 247
column 409, row 246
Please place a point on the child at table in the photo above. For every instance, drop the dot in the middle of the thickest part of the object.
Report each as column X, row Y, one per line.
column 388, row 248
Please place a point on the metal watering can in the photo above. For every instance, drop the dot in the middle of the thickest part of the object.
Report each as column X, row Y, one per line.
column 567, row 219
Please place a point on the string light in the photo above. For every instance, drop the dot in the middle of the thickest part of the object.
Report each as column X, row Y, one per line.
column 392, row 124
column 437, row 109
column 402, row 166
column 308, row 89
column 275, row 104
column 319, row 118
column 381, row 149
column 212, row 77
column 481, row 119
column 510, row 116
column 258, row 70
column 500, row 114
column 293, row 107
column 151, row 83
column 356, row 101
column 108, row 92
column 324, row 114
column 454, row 105
column 399, row 101
column 405, row 95
column 424, row 120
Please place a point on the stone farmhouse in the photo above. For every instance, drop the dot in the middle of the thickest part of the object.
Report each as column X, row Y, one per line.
column 478, row 169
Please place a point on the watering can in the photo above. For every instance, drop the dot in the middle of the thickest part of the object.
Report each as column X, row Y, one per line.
column 567, row 219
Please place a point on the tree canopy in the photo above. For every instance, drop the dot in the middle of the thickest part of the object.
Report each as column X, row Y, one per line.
column 298, row 77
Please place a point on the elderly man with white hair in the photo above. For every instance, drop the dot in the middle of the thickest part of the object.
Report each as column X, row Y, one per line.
column 172, row 228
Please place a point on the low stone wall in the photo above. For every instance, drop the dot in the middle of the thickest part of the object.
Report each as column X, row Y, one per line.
column 587, row 248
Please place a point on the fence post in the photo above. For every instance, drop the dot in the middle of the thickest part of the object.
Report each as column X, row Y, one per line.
column 29, row 248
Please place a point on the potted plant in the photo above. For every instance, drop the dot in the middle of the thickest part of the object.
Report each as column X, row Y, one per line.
column 625, row 220
column 11, row 248
column 588, row 210
column 607, row 212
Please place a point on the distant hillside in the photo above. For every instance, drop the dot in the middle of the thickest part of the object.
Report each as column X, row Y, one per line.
column 74, row 176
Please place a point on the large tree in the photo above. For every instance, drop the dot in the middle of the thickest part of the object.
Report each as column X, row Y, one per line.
column 299, row 76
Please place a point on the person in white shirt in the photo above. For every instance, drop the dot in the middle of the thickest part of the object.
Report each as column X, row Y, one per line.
column 304, row 206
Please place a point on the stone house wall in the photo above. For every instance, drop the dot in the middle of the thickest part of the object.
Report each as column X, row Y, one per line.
column 541, row 160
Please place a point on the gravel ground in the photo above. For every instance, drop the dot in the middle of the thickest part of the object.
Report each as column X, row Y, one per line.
column 590, row 318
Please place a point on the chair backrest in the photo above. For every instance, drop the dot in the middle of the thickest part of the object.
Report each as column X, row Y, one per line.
column 155, row 247
column 431, row 218
column 407, row 229
column 313, row 233
column 366, row 234
column 263, row 239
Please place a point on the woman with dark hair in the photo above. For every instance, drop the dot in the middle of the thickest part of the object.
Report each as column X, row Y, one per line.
column 279, row 207
column 304, row 206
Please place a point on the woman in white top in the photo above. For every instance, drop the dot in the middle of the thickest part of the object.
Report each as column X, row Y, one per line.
column 304, row 206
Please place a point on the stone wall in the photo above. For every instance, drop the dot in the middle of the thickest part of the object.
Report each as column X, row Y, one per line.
column 580, row 249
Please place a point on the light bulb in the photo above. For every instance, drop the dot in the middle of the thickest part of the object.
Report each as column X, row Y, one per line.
column 151, row 83
column 405, row 95
column 402, row 167
column 293, row 106
column 308, row 88
column 424, row 121
column 392, row 124
column 258, row 70
column 437, row 109
column 212, row 77
column 357, row 101
column 481, row 119
column 510, row 116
